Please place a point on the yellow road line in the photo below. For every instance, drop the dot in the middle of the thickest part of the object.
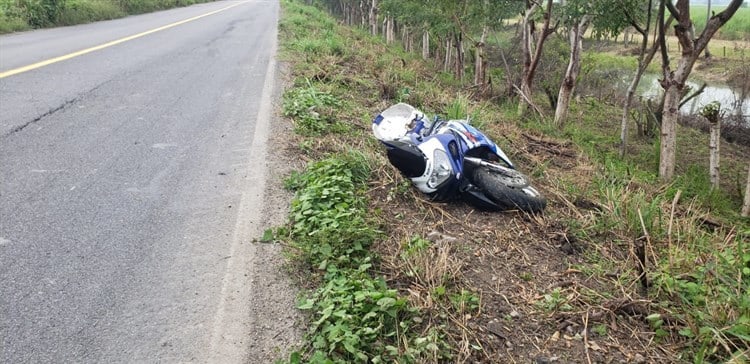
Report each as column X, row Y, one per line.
column 108, row 44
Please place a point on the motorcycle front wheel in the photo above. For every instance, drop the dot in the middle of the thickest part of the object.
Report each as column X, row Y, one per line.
column 508, row 188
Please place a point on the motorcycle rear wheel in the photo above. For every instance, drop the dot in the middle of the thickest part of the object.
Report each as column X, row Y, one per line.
column 508, row 188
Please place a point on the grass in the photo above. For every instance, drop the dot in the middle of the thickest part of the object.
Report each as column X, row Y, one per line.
column 654, row 269
column 354, row 315
column 737, row 28
column 17, row 15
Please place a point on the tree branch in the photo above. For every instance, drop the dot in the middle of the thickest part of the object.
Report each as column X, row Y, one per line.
column 672, row 10
column 693, row 95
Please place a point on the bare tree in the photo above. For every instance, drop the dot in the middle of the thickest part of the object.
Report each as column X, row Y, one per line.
column 673, row 82
column 389, row 29
column 532, row 55
column 575, row 37
column 480, row 59
column 644, row 59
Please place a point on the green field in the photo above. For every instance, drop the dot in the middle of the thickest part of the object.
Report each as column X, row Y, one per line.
column 737, row 28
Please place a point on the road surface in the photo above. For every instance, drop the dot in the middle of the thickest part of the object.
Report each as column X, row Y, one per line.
column 132, row 171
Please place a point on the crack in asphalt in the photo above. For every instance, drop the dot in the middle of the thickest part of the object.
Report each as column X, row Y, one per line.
column 40, row 117
column 53, row 110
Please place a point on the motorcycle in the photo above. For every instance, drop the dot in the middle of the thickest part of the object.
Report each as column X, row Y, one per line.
column 448, row 159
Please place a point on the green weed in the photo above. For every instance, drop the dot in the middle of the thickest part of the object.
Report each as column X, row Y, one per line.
column 313, row 111
column 23, row 14
column 554, row 301
column 354, row 317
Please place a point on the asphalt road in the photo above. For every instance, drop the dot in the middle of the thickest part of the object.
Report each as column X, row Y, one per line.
column 130, row 179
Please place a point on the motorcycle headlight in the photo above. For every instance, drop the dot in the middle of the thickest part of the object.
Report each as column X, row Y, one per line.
column 441, row 170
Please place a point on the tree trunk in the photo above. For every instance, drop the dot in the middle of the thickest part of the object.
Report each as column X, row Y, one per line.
column 644, row 60
column 707, row 54
column 389, row 32
column 425, row 45
column 674, row 82
column 575, row 35
column 363, row 22
column 531, row 57
column 713, row 148
column 460, row 57
column 670, row 115
column 746, row 205
column 374, row 17
column 479, row 61
column 409, row 43
column 526, row 48
column 448, row 54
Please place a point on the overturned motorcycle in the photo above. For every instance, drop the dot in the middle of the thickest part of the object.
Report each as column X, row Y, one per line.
column 446, row 159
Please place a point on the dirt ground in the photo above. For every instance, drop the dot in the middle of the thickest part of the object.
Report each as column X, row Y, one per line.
column 278, row 325
column 515, row 263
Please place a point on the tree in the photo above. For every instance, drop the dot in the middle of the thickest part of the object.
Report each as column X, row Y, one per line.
column 575, row 37
column 712, row 112
column 673, row 81
column 644, row 59
column 373, row 17
column 605, row 18
column 708, row 17
column 577, row 16
column 531, row 54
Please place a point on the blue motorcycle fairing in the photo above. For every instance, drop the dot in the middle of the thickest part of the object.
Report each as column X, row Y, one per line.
column 455, row 158
column 473, row 139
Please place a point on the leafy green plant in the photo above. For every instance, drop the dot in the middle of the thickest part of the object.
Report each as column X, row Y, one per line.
column 83, row 11
column 312, row 110
column 465, row 301
column 554, row 301
column 354, row 317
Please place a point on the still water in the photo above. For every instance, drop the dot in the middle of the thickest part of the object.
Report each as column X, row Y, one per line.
column 731, row 102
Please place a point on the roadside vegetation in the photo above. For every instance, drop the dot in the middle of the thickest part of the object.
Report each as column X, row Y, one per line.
column 622, row 266
column 17, row 15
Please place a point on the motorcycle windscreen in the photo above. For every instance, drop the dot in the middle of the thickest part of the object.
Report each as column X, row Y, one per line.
column 408, row 159
column 394, row 122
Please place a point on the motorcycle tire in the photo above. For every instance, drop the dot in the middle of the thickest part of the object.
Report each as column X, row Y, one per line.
column 508, row 188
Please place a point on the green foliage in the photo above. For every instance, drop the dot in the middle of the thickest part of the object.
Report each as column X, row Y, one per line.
column 312, row 110
column 354, row 317
column 314, row 32
column 554, row 301
column 416, row 245
column 83, row 11
column 696, row 182
column 145, row 6
column 465, row 301
column 698, row 275
column 38, row 13
column 23, row 14
column 711, row 295
column 12, row 17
